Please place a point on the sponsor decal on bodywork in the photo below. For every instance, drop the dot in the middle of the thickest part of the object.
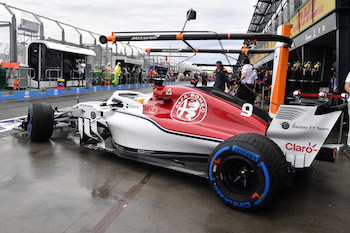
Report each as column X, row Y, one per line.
column 309, row 127
column 299, row 148
column 169, row 92
column 285, row 125
column 190, row 108
column 153, row 110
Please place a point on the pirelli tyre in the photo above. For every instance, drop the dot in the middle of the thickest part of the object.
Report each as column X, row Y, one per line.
column 40, row 121
column 247, row 171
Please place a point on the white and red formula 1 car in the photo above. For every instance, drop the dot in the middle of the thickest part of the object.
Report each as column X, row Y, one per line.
column 202, row 131
column 246, row 156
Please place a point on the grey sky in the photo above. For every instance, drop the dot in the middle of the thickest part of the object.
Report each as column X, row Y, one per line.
column 104, row 16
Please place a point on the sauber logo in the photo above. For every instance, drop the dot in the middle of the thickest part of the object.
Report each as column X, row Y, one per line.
column 190, row 108
column 307, row 149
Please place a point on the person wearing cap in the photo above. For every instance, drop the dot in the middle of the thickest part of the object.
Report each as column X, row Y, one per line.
column 246, row 89
column 221, row 81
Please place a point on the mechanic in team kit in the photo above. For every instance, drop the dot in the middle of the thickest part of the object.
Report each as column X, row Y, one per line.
column 221, row 81
column 245, row 90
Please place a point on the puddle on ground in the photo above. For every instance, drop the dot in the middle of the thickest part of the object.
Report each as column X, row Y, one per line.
column 104, row 192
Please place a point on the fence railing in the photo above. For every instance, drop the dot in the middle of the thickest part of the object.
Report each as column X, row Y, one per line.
column 52, row 74
column 24, row 75
column 76, row 75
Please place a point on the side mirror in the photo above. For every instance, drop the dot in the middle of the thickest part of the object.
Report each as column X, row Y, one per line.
column 117, row 103
column 158, row 82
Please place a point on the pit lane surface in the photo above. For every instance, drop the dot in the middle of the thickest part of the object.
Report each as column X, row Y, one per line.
column 58, row 186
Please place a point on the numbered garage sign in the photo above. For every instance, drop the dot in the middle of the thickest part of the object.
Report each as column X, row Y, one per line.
column 190, row 108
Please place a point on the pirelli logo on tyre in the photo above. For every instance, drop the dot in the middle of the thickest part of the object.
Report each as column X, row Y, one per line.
column 190, row 108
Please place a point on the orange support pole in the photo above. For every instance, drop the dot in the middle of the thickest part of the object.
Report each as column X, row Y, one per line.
column 280, row 72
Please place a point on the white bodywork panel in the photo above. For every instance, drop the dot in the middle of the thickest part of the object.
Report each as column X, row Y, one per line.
column 300, row 133
column 139, row 133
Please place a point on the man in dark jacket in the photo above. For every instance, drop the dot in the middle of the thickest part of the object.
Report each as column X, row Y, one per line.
column 204, row 79
column 221, row 77
column 67, row 67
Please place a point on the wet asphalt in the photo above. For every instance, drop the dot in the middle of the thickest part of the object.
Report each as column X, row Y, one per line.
column 57, row 186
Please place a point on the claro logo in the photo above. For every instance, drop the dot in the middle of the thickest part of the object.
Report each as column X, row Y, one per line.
column 307, row 149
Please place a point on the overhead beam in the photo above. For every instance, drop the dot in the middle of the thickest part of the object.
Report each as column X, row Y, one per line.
column 194, row 36
column 167, row 50
column 213, row 64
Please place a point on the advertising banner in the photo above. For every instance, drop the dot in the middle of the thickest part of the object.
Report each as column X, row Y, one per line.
column 311, row 12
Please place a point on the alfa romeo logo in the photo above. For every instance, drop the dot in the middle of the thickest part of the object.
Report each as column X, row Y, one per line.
column 93, row 115
column 190, row 108
column 285, row 125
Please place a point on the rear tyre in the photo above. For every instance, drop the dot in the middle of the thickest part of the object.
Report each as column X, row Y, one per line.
column 40, row 121
column 247, row 171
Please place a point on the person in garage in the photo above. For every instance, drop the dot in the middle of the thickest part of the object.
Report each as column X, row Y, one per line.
column 108, row 74
column 117, row 73
column 259, row 83
column 67, row 68
column 221, row 81
column 347, row 89
column 246, row 89
column 204, row 79
column 81, row 68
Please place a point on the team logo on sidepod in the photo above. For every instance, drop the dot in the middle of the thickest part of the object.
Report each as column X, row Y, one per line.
column 190, row 108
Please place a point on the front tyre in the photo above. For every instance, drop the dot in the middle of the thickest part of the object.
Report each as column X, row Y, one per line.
column 40, row 121
column 247, row 171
